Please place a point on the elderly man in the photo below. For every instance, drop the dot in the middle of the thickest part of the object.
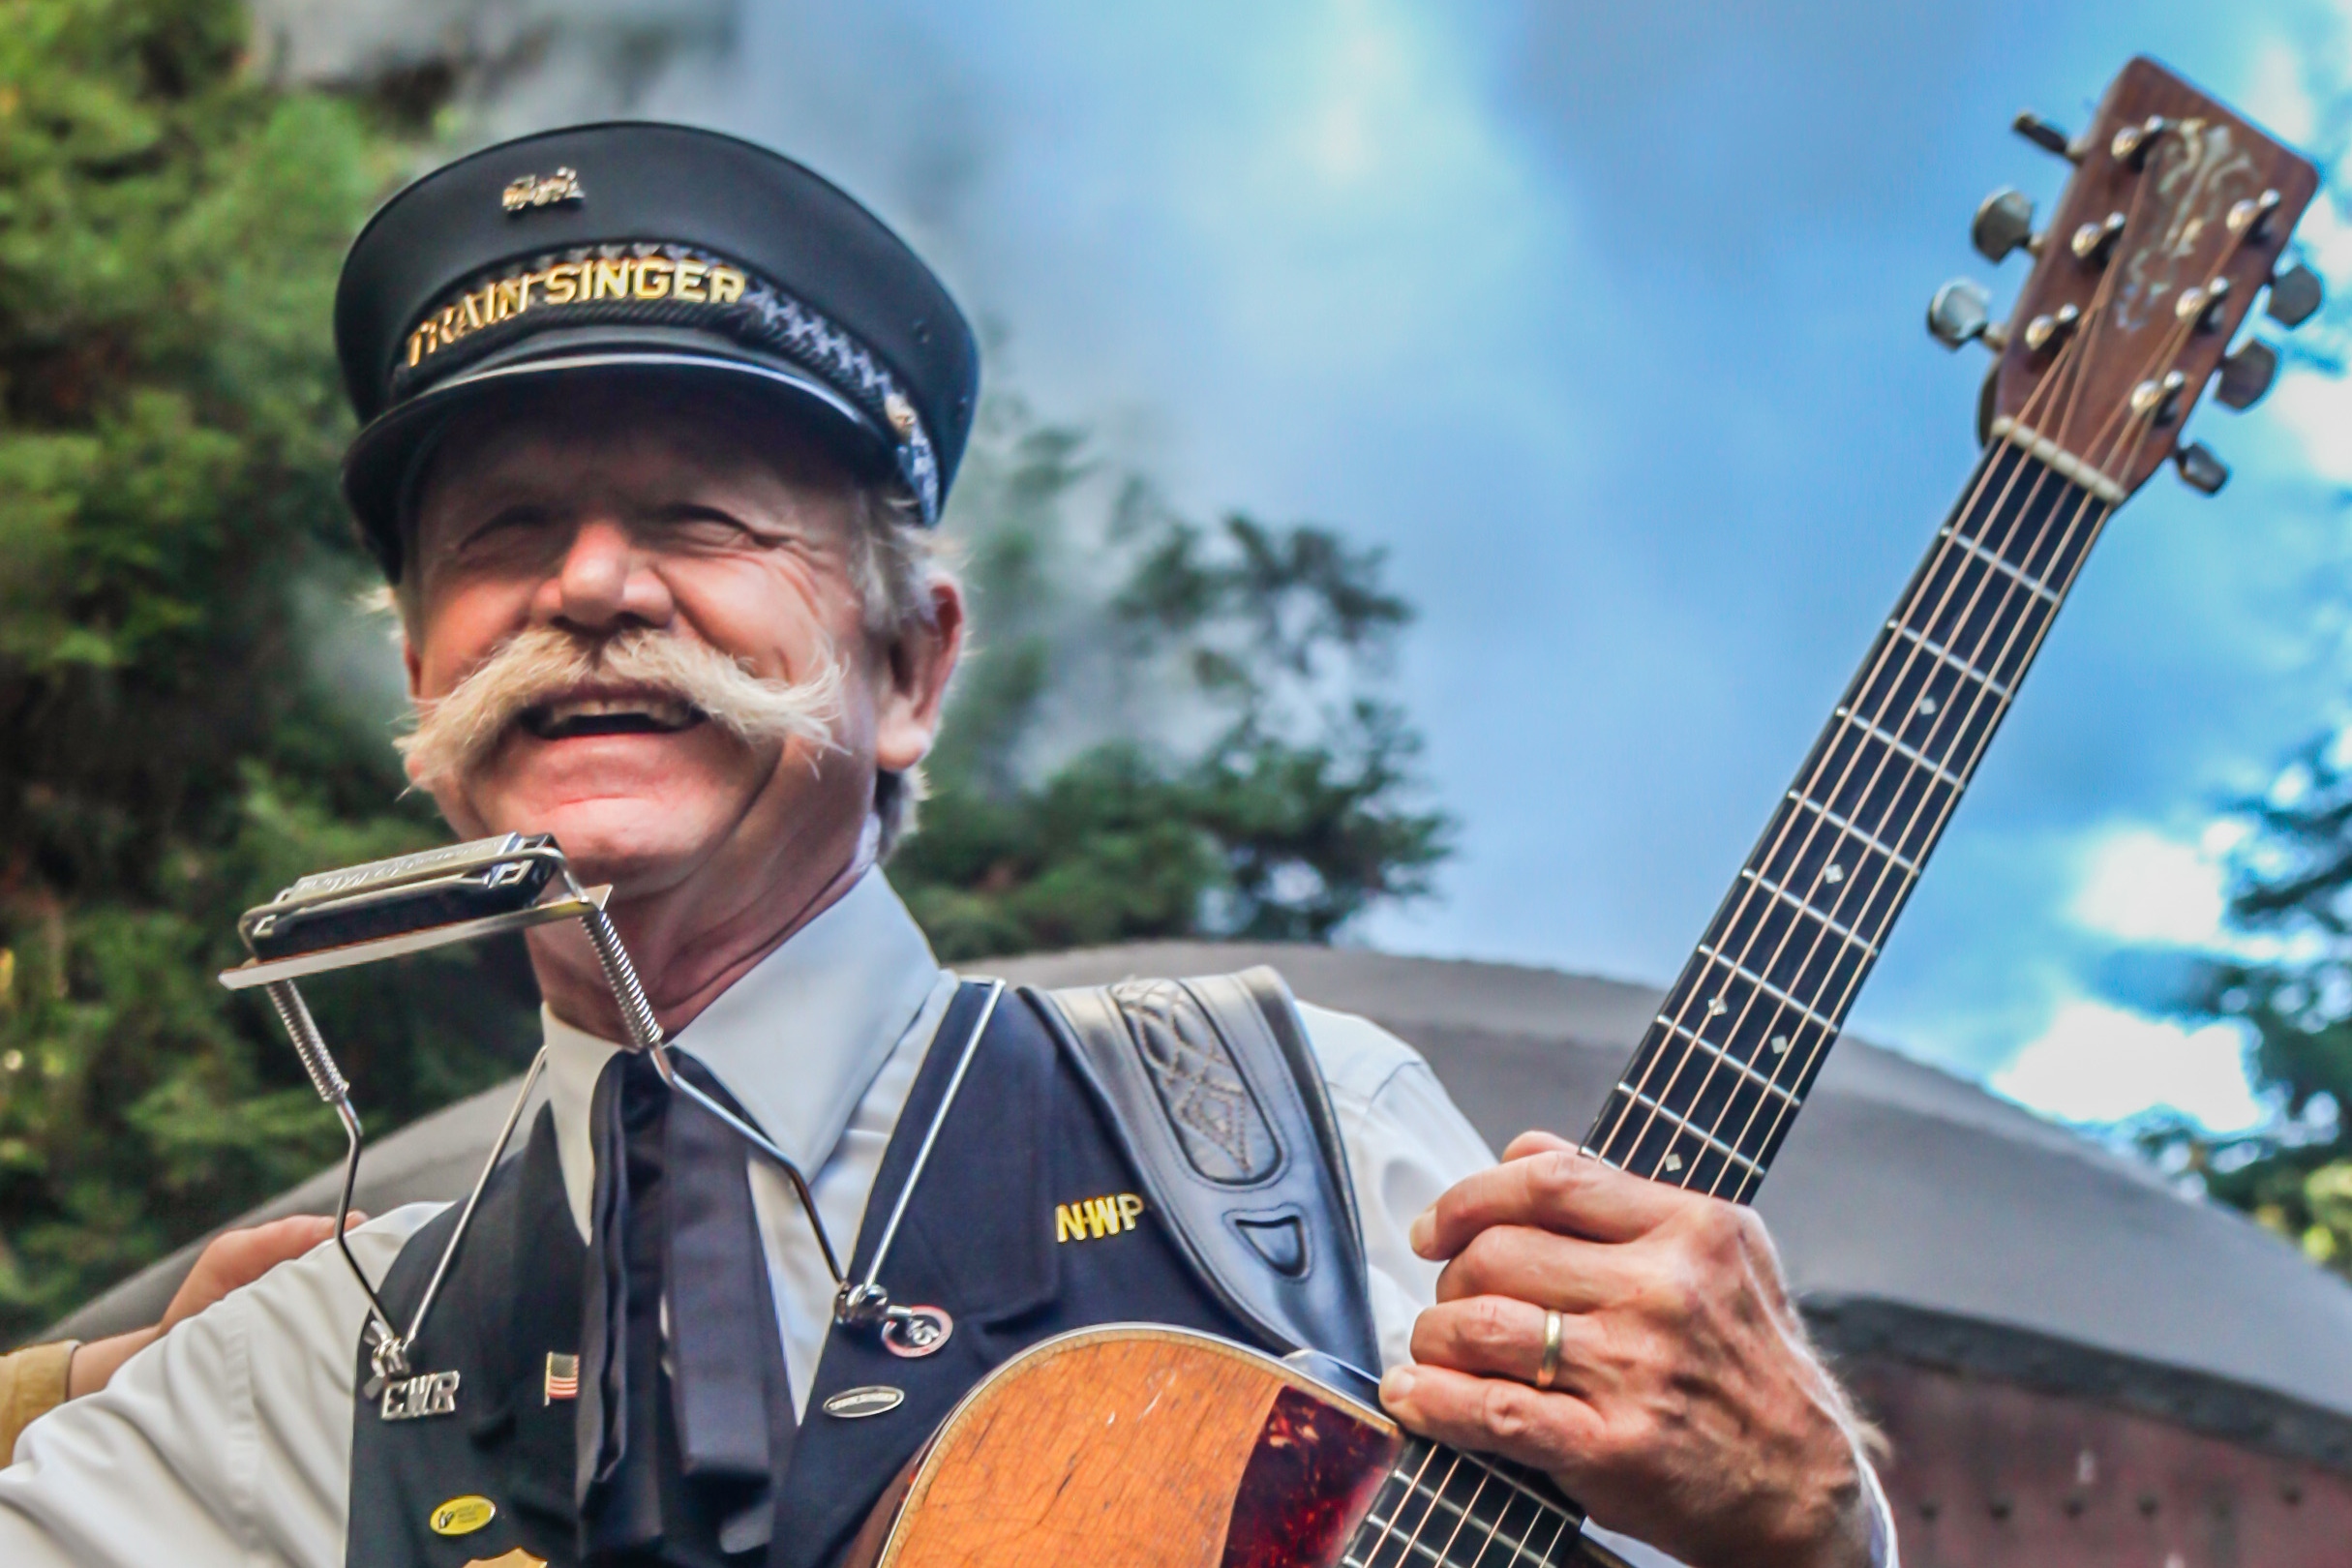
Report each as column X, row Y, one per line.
column 658, row 427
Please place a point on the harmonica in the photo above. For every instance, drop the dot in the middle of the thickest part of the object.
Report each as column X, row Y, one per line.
column 403, row 895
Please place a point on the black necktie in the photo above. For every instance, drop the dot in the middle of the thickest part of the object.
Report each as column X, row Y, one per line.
column 673, row 1215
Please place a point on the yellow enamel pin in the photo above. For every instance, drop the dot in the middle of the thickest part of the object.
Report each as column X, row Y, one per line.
column 462, row 1516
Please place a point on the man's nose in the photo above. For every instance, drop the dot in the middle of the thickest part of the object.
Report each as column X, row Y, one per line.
column 604, row 582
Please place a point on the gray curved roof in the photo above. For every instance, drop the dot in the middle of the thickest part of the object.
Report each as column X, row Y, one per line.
column 1916, row 1214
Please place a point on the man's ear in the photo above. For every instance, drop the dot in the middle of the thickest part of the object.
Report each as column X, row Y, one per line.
column 412, row 663
column 914, row 671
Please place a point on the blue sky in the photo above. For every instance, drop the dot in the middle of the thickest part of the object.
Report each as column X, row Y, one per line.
column 1606, row 321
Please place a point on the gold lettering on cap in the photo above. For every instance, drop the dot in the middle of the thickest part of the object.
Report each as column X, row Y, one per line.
column 580, row 282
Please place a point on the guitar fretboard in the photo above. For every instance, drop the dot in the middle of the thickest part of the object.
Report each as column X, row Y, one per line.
column 1439, row 1506
column 1721, row 1071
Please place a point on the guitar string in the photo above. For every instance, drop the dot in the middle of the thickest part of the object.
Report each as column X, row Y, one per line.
column 2000, row 467
column 2098, row 519
column 2066, row 558
column 1519, row 1546
column 1411, row 1487
column 1468, row 1516
column 1882, row 845
column 1395, row 1508
column 1743, row 905
column 1879, row 883
column 1437, row 1497
column 1562, row 1516
column 1844, row 825
column 1749, row 898
column 1880, row 893
column 1945, row 549
column 2134, row 434
column 1734, row 907
column 1737, row 908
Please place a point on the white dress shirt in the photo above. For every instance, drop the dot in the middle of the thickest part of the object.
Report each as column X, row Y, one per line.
column 229, row 1439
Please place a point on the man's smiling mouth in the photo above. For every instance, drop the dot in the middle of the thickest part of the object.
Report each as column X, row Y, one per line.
column 575, row 716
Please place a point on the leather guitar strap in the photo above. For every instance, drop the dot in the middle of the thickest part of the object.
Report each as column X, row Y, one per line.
column 1221, row 1105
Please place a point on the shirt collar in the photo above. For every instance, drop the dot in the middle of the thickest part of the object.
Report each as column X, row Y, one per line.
column 799, row 1038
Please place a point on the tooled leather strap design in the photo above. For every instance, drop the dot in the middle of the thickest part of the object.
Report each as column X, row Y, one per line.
column 1221, row 1105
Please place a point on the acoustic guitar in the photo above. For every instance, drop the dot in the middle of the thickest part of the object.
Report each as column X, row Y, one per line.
column 1130, row 1446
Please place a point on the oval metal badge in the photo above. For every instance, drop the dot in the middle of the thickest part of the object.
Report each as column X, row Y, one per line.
column 462, row 1516
column 873, row 1399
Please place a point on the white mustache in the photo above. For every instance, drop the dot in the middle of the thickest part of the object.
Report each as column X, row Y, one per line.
column 457, row 733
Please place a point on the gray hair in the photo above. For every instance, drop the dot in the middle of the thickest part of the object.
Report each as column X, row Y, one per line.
column 897, row 564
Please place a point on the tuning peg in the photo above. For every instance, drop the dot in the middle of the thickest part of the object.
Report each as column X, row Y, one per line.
column 2250, row 218
column 2133, row 142
column 2200, row 469
column 2045, row 136
column 2246, row 373
column 2004, row 222
column 2294, row 293
column 1961, row 311
column 2091, row 242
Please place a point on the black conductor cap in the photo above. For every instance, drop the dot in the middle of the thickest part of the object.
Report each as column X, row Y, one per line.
column 651, row 249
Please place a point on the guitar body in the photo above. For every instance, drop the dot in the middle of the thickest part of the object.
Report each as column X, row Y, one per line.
column 1127, row 1446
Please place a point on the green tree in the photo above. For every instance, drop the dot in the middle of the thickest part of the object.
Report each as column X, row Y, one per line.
column 1166, row 729
column 171, row 421
column 2291, row 897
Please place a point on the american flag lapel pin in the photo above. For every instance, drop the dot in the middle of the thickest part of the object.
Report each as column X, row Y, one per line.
column 562, row 1379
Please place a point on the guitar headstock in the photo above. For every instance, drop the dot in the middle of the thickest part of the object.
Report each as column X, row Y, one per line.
column 2176, row 218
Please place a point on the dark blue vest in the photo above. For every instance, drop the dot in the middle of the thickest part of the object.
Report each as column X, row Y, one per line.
column 1017, row 1228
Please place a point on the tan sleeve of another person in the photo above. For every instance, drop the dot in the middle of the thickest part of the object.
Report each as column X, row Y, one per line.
column 32, row 1384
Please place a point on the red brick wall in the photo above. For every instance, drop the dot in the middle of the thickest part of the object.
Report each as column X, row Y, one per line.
column 1989, row 1473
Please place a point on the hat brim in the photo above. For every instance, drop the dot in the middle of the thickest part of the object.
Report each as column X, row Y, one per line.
column 386, row 455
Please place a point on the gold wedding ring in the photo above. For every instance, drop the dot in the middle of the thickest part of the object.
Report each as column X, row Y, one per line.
column 1548, row 1367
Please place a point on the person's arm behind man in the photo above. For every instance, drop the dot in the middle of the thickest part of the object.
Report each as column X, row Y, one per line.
column 39, row 1377
column 227, row 1442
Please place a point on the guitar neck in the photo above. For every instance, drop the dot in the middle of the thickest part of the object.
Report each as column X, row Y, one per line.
column 1721, row 1071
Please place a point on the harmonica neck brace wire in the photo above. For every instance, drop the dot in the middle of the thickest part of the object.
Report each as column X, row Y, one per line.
column 388, row 909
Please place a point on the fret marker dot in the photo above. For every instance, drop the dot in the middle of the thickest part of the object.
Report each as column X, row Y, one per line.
column 1673, row 1161
column 1780, row 1044
column 1717, row 1006
column 1833, row 874
column 1927, row 705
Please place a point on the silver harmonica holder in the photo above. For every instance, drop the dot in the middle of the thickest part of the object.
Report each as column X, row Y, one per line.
column 409, row 904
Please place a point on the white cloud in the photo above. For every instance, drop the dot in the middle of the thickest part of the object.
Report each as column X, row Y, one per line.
column 2098, row 1062
column 2277, row 96
column 2139, row 885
